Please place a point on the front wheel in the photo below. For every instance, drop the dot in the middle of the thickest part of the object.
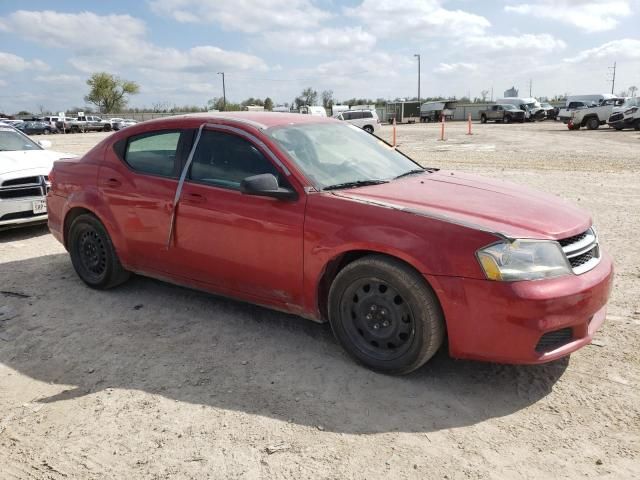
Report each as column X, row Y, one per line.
column 368, row 128
column 507, row 119
column 483, row 119
column 385, row 315
column 92, row 254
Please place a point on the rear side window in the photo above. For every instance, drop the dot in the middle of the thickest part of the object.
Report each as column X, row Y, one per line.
column 224, row 160
column 357, row 115
column 367, row 115
column 153, row 153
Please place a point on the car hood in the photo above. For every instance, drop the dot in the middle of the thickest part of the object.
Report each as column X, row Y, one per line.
column 496, row 206
column 28, row 162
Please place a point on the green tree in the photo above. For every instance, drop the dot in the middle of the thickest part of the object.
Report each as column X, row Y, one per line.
column 308, row 97
column 327, row 98
column 108, row 92
column 268, row 104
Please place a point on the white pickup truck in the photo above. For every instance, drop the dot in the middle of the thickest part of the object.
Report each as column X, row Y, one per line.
column 593, row 117
column 626, row 116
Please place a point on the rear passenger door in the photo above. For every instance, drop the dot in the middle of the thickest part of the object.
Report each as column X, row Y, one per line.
column 138, row 181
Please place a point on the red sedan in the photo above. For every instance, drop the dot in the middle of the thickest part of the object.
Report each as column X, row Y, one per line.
column 316, row 217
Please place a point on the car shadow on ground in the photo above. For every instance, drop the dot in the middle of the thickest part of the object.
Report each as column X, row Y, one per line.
column 8, row 235
column 194, row 347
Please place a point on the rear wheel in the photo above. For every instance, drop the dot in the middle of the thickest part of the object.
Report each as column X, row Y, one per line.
column 93, row 255
column 593, row 123
column 385, row 315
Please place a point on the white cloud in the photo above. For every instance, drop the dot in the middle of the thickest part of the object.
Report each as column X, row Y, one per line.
column 115, row 42
column 10, row 63
column 448, row 68
column 588, row 15
column 625, row 49
column 249, row 16
column 425, row 18
column 60, row 79
column 530, row 43
column 351, row 40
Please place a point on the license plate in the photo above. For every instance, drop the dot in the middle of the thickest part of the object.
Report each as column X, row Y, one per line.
column 39, row 207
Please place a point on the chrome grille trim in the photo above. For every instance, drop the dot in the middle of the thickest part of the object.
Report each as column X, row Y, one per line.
column 582, row 251
column 17, row 188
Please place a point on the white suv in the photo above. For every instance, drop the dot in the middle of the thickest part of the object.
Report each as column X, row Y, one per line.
column 365, row 119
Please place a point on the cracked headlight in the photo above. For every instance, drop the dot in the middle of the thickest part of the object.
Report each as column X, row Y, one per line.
column 523, row 260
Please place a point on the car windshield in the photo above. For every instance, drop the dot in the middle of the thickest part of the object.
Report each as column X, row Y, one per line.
column 632, row 102
column 337, row 154
column 11, row 141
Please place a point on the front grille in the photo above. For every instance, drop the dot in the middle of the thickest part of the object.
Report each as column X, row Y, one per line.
column 582, row 251
column 22, row 181
column 582, row 259
column 19, row 215
column 576, row 238
column 36, row 186
column 616, row 117
column 552, row 340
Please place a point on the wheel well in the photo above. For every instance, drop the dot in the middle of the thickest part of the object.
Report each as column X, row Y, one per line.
column 69, row 218
column 335, row 266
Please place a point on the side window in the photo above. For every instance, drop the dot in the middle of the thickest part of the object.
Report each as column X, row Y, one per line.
column 153, row 153
column 367, row 114
column 347, row 115
column 224, row 160
column 357, row 115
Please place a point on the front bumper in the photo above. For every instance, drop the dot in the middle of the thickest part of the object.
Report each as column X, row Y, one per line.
column 505, row 321
column 19, row 211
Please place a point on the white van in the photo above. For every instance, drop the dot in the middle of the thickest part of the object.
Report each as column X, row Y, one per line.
column 529, row 105
column 313, row 110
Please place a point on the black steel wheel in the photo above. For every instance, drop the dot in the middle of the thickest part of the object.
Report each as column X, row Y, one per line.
column 368, row 128
column 483, row 119
column 385, row 314
column 93, row 255
column 507, row 119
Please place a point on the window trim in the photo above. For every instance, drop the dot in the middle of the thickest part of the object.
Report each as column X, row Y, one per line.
column 121, row 152
column 190, row 180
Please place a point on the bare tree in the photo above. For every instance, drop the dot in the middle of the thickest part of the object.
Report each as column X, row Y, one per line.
column 484, row 94
column 327, row 98
column 632, row 90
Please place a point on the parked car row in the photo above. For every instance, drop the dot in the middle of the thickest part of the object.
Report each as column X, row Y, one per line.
column 72, row 124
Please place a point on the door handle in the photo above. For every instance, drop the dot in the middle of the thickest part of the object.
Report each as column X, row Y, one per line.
column 112, row 182
column 195, row 198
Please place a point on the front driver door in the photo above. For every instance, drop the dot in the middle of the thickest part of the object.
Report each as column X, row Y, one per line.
column 247, row 246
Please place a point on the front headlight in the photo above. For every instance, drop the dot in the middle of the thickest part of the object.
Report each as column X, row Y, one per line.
column 523, row 260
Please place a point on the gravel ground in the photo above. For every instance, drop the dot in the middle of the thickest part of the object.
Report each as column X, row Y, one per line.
column 156, row 381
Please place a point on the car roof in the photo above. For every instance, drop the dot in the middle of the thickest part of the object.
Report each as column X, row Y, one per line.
column 260, row 120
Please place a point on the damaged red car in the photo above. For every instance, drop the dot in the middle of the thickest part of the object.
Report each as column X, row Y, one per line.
column 316, row 217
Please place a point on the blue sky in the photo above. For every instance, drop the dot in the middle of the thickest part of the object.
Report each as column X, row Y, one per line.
column 361, row 48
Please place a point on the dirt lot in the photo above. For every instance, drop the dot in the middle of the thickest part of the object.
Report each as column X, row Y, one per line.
column 155, row 381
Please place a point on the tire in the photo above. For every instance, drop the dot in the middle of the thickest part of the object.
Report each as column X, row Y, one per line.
column 92, row 254
column 507, row 119
column 593, row 123
column 106, row 128
column 483, row 119
column 385, row 315
column 46, row 131
column 368, row 128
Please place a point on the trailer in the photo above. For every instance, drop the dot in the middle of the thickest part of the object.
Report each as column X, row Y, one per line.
column 434, row 111
column 403, row 112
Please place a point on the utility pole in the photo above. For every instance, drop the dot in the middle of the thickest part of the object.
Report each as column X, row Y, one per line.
column 418, row 57
column 613, row 79
column 224, row 93
column 530, row 85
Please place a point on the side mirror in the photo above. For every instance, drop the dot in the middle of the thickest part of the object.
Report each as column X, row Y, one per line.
column 266, row 185
column 44, row 143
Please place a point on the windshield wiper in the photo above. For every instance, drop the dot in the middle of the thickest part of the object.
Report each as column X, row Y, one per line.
column 410, row 172
column 356, row 183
